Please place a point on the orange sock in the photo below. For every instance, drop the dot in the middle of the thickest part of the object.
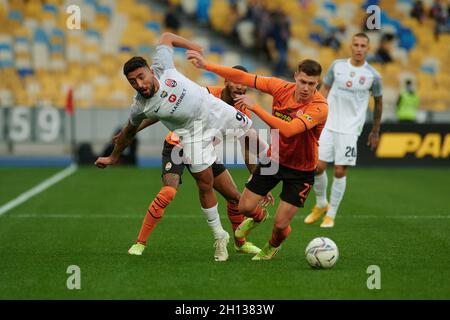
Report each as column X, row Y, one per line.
column 236, row 219
column 155, row 212
column 280, row 236
column 257, row 214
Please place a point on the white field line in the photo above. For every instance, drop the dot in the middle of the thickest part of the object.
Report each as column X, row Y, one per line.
column 200, row 215
column 38, row 189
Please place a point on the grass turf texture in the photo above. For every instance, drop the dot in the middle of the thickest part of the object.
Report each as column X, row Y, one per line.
column 92, row 217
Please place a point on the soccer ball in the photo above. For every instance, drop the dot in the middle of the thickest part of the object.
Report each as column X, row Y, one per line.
column 322, row 253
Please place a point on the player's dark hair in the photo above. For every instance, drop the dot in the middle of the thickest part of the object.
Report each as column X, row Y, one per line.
column 239, row 67
column 310, row 67
column 361, row 35
column 133, row 64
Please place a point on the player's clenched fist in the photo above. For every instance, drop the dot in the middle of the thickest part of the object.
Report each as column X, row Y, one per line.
column 103, row 162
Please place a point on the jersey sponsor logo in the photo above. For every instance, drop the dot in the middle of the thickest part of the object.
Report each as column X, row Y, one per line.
column 283, row 116
column 163, row 94
column 349, row 84
column 171, row 83
column 183, row 94
column 172, row 98
column 168, row 166
column 399, row 144
column 362, row 79
column 302, row 115
column 308, row 117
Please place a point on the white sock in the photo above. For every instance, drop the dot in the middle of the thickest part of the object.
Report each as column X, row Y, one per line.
column 320, row 189
column 337, row 193
column 213, row 219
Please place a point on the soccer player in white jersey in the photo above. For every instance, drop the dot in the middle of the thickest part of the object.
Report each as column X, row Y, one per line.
column 347, row 86
column 187, row 109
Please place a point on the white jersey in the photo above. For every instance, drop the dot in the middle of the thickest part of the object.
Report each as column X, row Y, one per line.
column 179, row 102
column 348, row 98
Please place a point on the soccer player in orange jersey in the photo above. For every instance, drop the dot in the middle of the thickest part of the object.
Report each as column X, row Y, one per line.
column 223, row 182
column 299, row 112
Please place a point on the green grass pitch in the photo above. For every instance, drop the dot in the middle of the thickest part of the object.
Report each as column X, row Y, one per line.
column 397, row 219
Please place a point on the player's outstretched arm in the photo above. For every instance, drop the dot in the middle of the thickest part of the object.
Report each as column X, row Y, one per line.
column 144, row 124
column 231, row 74
column 173, row 40
column 126, row 136
column 287, row 129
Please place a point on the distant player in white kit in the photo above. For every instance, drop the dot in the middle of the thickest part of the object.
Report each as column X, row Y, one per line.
column 187, row 109
column 347, row 86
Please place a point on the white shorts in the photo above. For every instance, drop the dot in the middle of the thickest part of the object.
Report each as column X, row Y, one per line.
column 340, row 148
column 224, row 121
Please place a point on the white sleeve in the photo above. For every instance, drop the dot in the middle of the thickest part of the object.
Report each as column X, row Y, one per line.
column 162, row 60
column 136, row 114
column 329, row 77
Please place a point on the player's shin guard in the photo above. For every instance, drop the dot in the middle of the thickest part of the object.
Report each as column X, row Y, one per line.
column 236, row 219
column 279, row 235
column 155, row 212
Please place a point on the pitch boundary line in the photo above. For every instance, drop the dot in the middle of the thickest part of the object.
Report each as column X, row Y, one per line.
column 190, row 216
column 38, row 188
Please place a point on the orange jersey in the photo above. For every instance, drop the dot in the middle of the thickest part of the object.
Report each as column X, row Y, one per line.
column 299, row 152
column 172, row 138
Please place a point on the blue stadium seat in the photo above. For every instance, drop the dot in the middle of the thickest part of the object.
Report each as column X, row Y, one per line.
column 125, row 49
column 330, row 6
column 152, row 25
column 203, row 10
column 93, row 33
column 210, row 75
column 40, row 36
column 315, row 36
column 407, row 40
column 145, row 50
column 179, row 50
column 323, row 22
column 15, row 15
column 217, row 49
column 369, row 3
column 48, row 7
column 6, row 55
column 102, row 9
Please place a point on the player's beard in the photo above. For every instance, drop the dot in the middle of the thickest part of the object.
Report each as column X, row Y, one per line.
column 151, row 92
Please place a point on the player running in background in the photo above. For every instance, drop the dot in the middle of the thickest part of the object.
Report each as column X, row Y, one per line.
column 164, row 94
column 299, row 112
column 347, row 86
column 223, row 181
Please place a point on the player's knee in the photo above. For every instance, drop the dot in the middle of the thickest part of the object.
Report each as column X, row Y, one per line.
column 245, row 207
column 321, row 167
column 233, row 197
column 340, row 172
column 205, row 185
column 171, row 180
column 281, row 226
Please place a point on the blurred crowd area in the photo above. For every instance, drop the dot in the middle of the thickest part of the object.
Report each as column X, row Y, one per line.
column 40, row 57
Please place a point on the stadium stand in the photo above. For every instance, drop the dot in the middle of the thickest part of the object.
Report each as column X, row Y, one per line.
column 40, row 58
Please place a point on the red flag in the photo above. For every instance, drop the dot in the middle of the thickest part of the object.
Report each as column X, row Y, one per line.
column 69, row 102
